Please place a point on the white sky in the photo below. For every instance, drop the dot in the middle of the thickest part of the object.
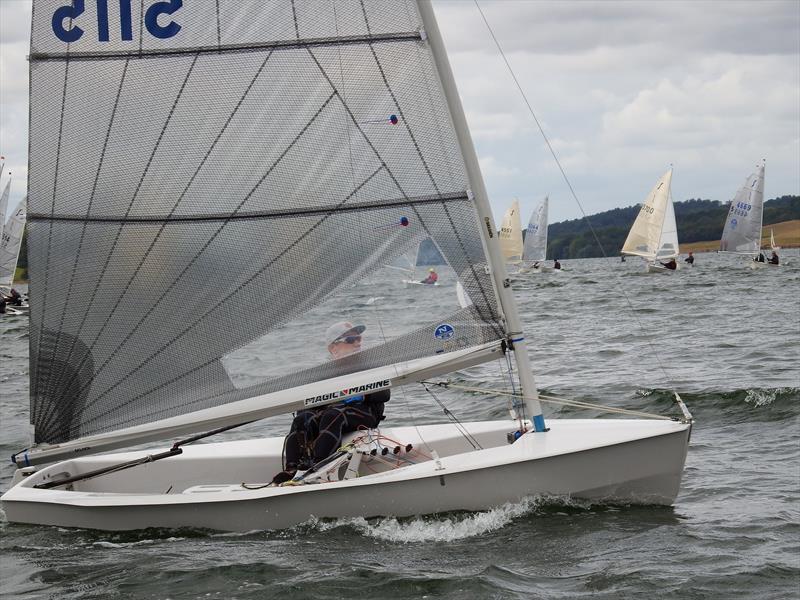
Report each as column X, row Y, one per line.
column 623, row 89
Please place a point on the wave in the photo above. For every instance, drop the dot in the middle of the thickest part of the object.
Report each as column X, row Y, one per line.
column 448, row 527
column 748, row 404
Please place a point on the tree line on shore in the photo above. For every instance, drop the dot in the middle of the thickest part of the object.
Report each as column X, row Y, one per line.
column 697, row 220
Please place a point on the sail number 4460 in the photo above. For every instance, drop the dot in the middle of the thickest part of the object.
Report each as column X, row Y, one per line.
column 67, row 20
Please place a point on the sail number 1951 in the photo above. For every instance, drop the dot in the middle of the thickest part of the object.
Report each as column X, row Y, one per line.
column 67, row 20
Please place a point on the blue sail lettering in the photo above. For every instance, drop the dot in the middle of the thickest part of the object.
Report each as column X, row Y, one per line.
column 162, row 8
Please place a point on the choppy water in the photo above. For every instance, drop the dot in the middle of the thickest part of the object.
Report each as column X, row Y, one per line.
column 727, row 338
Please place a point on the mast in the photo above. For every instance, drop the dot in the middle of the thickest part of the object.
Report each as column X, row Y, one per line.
column 514, row 335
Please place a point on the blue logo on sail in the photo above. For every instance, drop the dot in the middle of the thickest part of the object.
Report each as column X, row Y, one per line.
column 734, row 223
column 444, row 332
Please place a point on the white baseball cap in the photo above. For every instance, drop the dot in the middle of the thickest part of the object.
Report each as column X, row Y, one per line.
column 342, row 329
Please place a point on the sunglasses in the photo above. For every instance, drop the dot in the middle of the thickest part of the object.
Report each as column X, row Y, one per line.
column 350, row 339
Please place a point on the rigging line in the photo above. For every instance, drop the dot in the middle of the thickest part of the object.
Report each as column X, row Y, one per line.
column 402, row 388
column 209, row 311
column 67, row 301
column 454, row 419
column 668, row 379
column 554, row 400
column 490, row 318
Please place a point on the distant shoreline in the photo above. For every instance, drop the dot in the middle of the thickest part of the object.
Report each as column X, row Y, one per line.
column 787, row 235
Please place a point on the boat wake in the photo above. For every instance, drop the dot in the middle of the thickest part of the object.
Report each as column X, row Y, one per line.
column 444, row 528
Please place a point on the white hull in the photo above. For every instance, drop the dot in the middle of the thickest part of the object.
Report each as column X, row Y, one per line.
column 657, row 268
column 412, row 283
column 608, row 460
column 761, row 265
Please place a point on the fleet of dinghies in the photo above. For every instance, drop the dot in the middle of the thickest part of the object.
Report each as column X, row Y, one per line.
column 366, row 133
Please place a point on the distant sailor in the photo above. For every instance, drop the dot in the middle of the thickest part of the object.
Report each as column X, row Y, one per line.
column 556, row 264
column 689, row 259
column 670, row 264
column 316, row 433
column 774, row 260
column 432, row 277
column 760, row 257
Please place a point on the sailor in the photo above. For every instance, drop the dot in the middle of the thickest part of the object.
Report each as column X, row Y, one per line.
column 14, row 298
column 760, row 257
column 316, row 433
column 556, row 264
column 670, row 264
column 431, row 278
column 774, row 260
column 689, row 259
column 622, row 258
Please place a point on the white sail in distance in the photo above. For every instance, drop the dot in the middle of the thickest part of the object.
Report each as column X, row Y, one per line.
column 654, row 233
column 742, row 233
column 10, row 244
column 4, row 204
column 511, row 234
column 535, row 248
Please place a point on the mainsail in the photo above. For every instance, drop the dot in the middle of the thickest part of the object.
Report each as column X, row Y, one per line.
column 511, row 233
column 742, row 233
column 221, row 171
column 535, row 248
column 10, row 243
column 654, row 234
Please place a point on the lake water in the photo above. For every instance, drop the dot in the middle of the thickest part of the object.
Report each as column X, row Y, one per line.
column 726, row 337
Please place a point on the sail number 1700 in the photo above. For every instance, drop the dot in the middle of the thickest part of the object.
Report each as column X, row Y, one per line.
column 67, row 20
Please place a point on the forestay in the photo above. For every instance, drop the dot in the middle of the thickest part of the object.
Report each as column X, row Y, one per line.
column 10, row 243
column 510, row 235
column 207, row 174
column 654, row 234
column 742, row 233
column 535, row 248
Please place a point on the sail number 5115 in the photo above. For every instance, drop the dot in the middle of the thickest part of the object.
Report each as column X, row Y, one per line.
column 66, row 20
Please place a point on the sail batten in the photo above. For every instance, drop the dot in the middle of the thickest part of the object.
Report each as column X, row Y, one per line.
column 219, row 186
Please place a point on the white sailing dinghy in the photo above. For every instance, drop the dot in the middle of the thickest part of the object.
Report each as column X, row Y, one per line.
column 743, row 225
column 510, row 235
column 10, row 244
column 208, row 252
column 534, row 249
column 413, row 280
column 654, row 234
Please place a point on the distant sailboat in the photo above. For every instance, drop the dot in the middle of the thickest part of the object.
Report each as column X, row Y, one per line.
column 4, row 205
column 743, row 225
column 10, row 243
column 654, row 234
column 772, row 244
column 511, row 234
column 534, row 249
